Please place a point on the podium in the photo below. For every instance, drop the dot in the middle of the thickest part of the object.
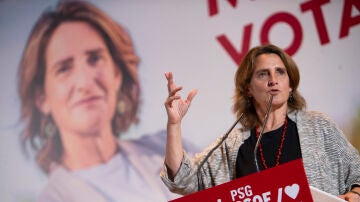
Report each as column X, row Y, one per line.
column 284, row 183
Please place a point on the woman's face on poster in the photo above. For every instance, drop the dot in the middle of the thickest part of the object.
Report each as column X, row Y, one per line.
column 81, row 80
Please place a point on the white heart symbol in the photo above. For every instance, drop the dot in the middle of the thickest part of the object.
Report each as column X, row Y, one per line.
column 292, row 191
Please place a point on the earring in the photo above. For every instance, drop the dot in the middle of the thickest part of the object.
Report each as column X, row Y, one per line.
column 121, row 107
column 291, row 97
column 50, row 128
column 248, row 101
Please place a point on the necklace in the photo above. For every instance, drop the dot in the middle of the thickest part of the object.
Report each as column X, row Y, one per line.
column 280, row 147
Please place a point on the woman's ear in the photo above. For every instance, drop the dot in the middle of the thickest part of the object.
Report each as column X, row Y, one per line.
column 247, row 90
column 41, row 102
column 118, row 79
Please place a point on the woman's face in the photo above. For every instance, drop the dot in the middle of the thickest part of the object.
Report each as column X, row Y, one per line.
column 269, row 78
column 81, row 81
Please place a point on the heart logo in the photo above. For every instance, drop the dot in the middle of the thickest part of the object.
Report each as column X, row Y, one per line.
column 292, row 191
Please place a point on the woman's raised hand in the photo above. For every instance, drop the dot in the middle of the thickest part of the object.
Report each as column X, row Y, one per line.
column 176, row 107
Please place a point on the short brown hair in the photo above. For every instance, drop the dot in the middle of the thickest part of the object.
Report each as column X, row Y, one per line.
column 32, row 73
column 242, row 104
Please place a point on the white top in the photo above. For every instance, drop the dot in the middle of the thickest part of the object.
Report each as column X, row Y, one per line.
column 131, row 175
column 118, row 180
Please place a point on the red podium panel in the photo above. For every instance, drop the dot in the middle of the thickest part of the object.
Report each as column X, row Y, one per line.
column 284, row 183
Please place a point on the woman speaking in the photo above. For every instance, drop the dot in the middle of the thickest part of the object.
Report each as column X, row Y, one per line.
column 266, row 85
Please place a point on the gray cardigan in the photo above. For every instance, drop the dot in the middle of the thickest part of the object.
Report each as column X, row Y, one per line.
column 331, row 163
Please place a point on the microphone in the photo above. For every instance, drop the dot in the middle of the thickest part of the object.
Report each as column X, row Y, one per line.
column 213, row 149
column 261, row 133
